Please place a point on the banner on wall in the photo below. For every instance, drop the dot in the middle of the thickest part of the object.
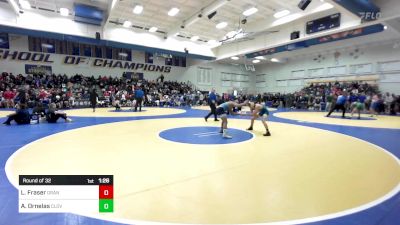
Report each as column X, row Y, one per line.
column 71, row 60
column 32, row 69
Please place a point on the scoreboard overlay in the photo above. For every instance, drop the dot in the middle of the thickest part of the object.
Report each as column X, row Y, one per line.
column 66, row 193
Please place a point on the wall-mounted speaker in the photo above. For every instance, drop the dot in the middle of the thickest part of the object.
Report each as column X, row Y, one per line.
column 295, row 35
column 98, row 36
column 211, row 15
column 304, row 4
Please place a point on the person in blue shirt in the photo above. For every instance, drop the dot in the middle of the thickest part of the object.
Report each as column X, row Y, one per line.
column 21, row 116
column 139, row 95
column 212, row 102
column 223, row 111
column 340, row 104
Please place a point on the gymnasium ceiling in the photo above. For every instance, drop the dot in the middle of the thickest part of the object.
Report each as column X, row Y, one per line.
column 231, row 11
column 155, row 14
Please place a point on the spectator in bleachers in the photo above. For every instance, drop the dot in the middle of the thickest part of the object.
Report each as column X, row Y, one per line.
column 9, row 98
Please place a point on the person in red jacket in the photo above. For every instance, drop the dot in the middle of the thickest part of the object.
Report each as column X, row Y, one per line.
column 9, row 98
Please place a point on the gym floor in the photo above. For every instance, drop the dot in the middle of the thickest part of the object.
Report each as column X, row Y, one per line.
column 171, row 166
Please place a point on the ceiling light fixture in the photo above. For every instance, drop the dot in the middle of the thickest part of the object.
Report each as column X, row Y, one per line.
column 138, row 9
column 274, row 60
column 221, row 25
column 235, row 58
column 256, row 61
column 25, row 4
column 281, row 14
column 64, row 11
column 323, row 7
column 194, row 38
column 153, row 29
column 385, row 27
column 127, row 23
column 250, row 11
column 44, row 45
column 260, row 57
column 212, row 42
column 173, row 11
column 231, row 34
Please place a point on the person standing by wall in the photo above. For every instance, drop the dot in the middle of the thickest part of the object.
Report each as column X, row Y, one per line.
column 212, row 102
column 93, row 99
column 161, row 78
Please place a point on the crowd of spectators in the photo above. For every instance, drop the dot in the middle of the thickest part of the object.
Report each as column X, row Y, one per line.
column 322, row 97
column 69, row 92
column 74, row 91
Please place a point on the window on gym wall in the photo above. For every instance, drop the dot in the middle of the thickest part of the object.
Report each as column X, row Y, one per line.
column 183, row 61
column 74, row 48
column 61, row 47
column 85, row 50
column 122, row 54
column 48, row 45
column 109, row 53
column 4, row 41
column 98, row 51
column 35, row 44
column 148, row 57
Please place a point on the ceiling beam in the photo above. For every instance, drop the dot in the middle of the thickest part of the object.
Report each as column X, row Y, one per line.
column 14, row 6
column 111, row 6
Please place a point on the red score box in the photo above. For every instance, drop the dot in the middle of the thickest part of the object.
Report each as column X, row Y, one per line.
column 106, row 192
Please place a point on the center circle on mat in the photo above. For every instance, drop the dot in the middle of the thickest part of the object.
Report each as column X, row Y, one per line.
column 126, row 111
column 350, row 118
column 204, row 135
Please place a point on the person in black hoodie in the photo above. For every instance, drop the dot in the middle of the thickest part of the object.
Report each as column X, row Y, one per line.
column 53, row 115
column 93, row 99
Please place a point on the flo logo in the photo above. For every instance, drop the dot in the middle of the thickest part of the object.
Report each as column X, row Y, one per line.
column 370, row 15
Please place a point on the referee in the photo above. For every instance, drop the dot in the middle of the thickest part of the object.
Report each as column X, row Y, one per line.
column 340, row 104
column 212, row 101
column 139, row 95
